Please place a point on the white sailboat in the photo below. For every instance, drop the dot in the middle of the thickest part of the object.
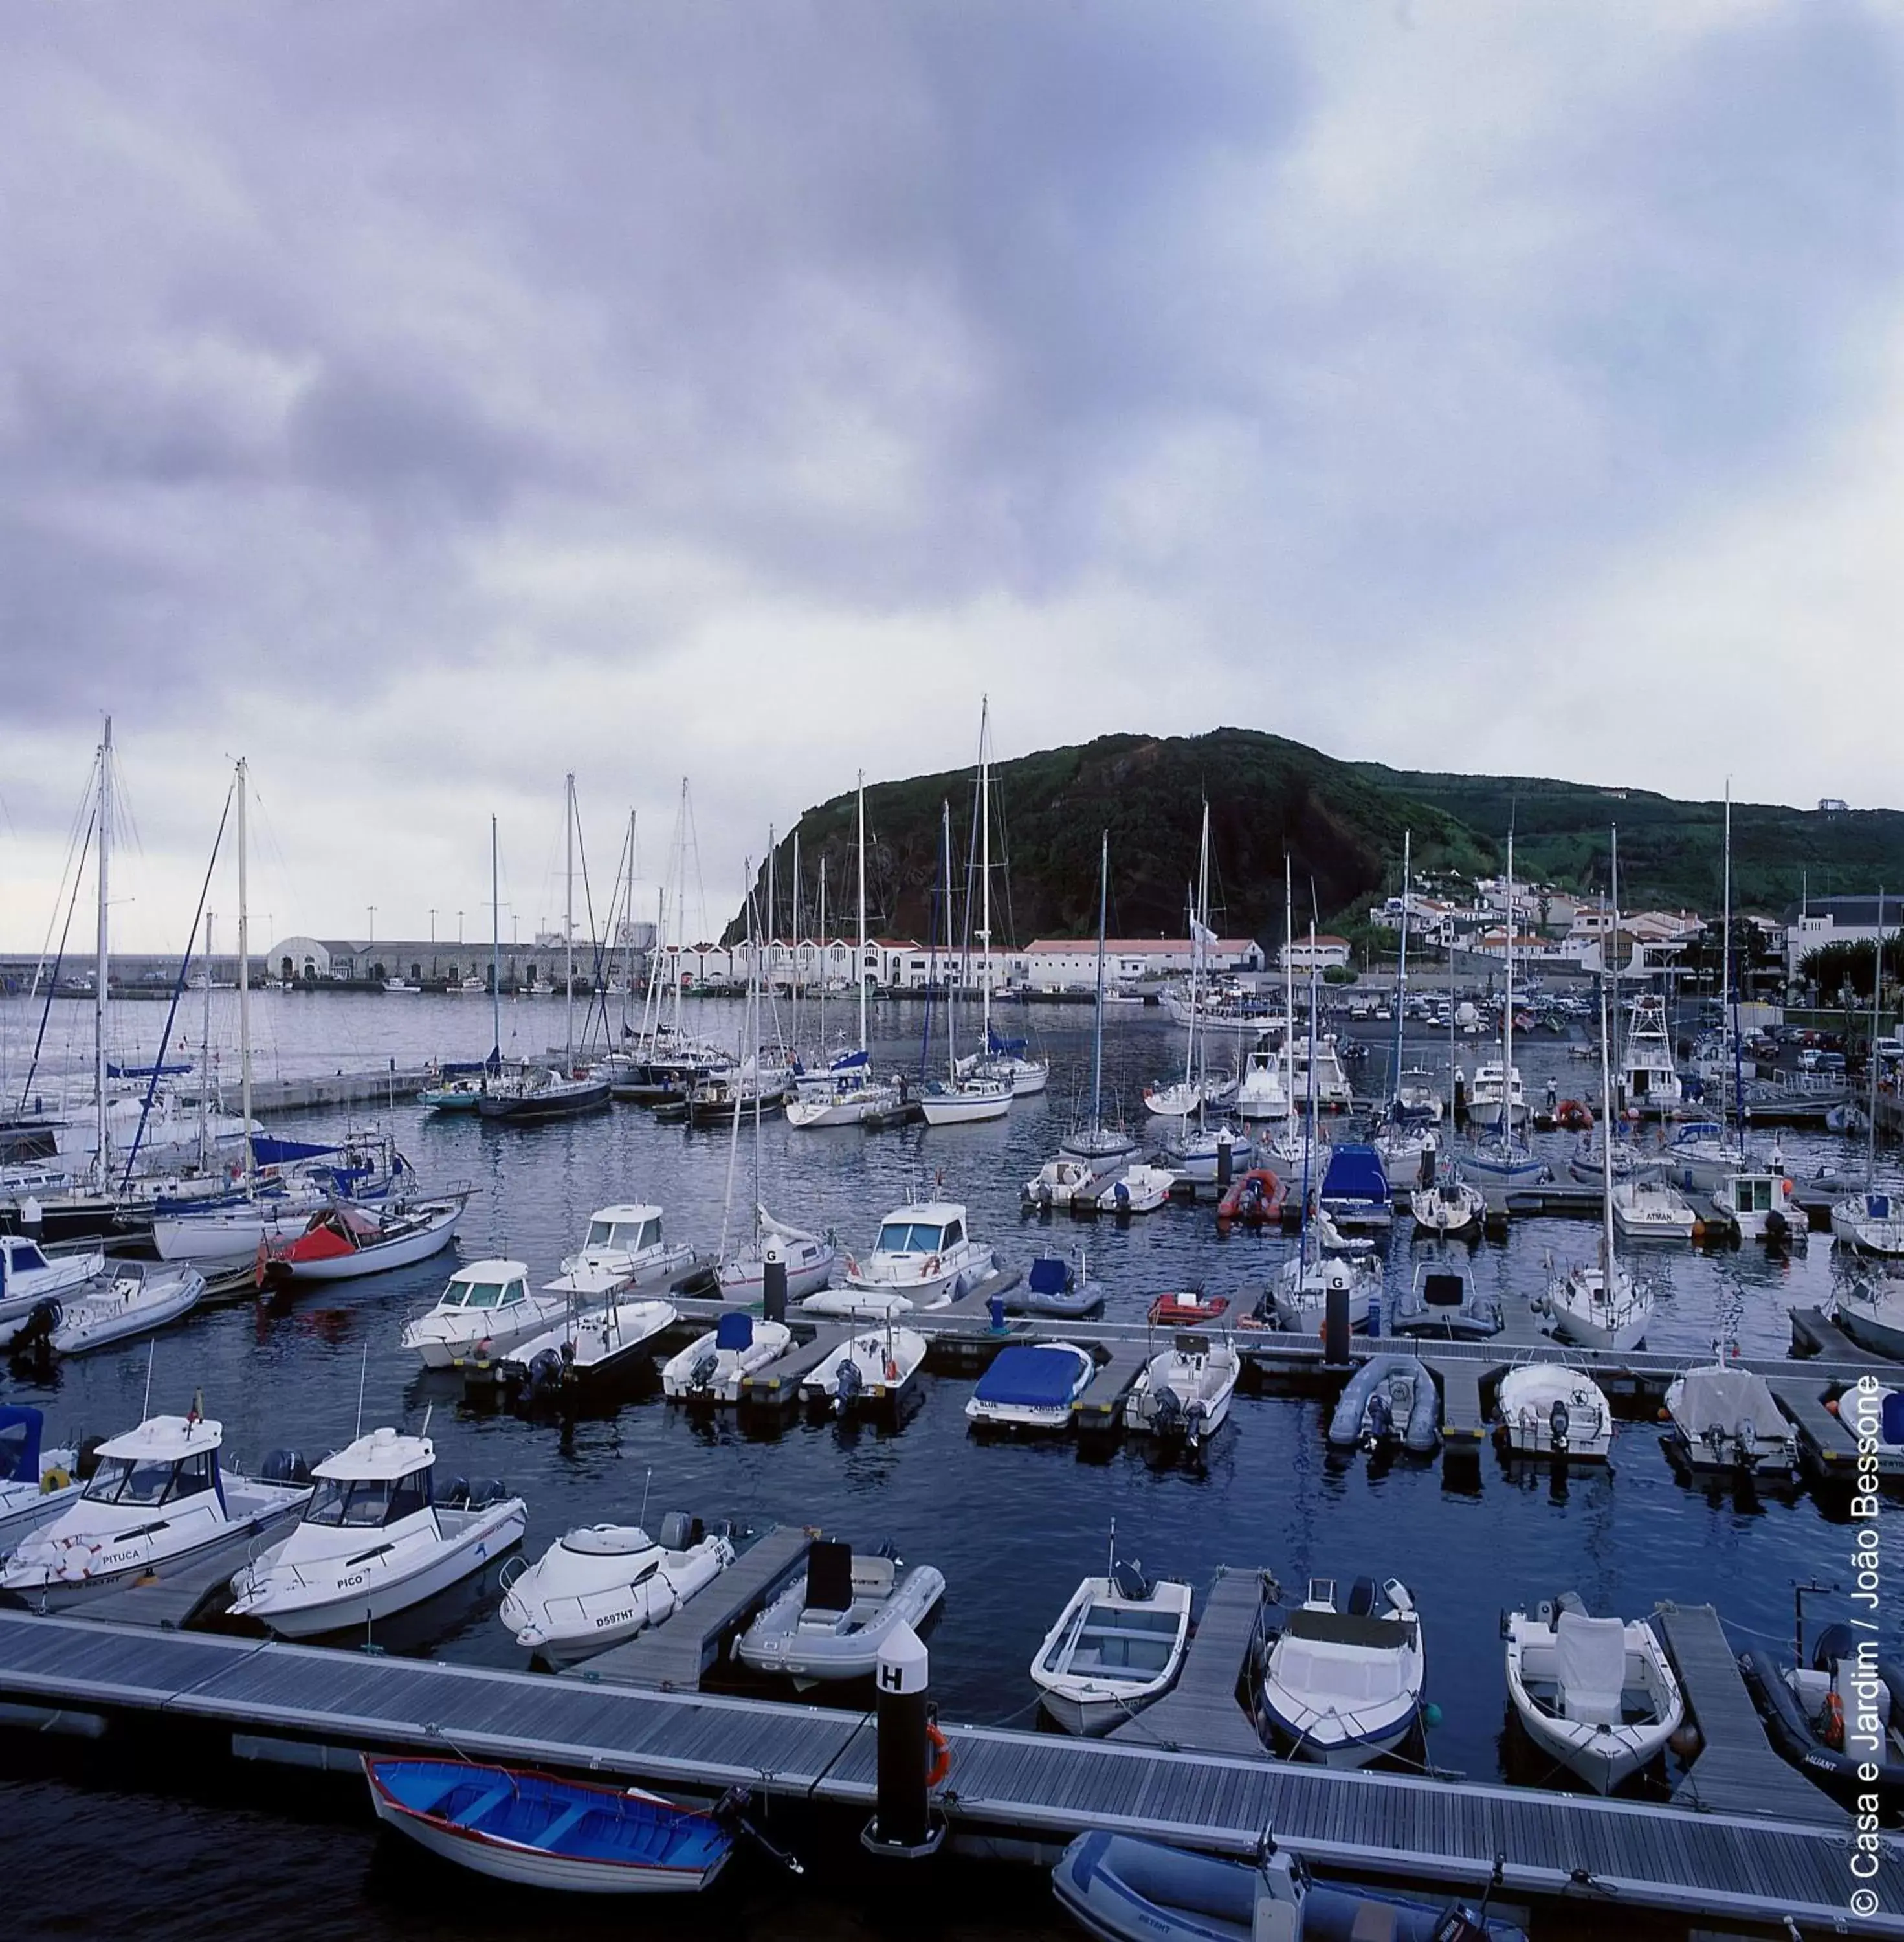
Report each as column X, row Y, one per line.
column 957, row 1101
column 1872, row 1222
column 1501, row 1163
column 1008, row 1059
column 1103, row 1146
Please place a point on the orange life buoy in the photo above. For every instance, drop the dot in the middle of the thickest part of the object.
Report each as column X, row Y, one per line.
column 942, row 1756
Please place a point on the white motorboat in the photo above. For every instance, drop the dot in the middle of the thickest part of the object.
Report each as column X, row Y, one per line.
column 487, row 1306
column 870, row 1369
column 36, row 1483
column 1261, row 1092
column 1333, row 1093
column 1299, row 1290
column 28, row 1275
column 589, row 1345
column 829, row 1624
column 1725, row 1419
column 1117, row 1645
column 1546, row 1409
column 1757, row 1206
column 712, row 1367
column 1418, row 1100
column 1600, row 1695
column 1871, row 1312
column 1451, row 1208
column 157, row 1501
column 346, row 1239
column 1871, row 1222
column 597, row 1586
column 1185, row 1392
column 1492, row 1083
column 1032, row 1388
column 923, row 1253
column 1062, row 1182
column 1594, row 1308
column 623, row 1253
column 136, row 1298
column 1650, row 1082
column 1341, row 1688
column 1646, row 1209
column 1137, row 1189
column 809, row 1260
column 372, row 1542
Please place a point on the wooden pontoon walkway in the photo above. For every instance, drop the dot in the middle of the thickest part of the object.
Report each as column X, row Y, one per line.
column 1004, row 1785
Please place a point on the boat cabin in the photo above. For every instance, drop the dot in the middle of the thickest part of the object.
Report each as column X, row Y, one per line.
column 165, row 1461
column 19, row 1255
column 381, row 1479
column 932, row 1227
column 624, row 1230
column 21, row 1428
column 486, row 1284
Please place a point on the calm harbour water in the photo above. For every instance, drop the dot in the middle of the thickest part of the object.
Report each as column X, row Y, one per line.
column 1012, row 1526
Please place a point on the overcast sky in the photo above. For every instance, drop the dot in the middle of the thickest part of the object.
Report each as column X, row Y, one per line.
column 423, row 400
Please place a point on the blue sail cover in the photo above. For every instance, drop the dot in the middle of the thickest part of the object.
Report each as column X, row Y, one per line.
column 1030, row 1378
column 1355, row 1174
column 267, row 1152
column 145, row 1071
column 1005, row 1048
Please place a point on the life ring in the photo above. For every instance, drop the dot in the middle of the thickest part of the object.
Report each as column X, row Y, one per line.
column 57, row 1478
column 942, row 1756
column 1573, row 1116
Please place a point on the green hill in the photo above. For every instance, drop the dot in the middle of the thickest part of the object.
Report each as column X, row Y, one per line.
column 1341, row 823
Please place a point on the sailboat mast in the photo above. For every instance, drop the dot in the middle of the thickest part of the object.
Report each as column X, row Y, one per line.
column 820, row 925
column 772, row 898
column 495, row 951
column 1606, row 1155
column 985, row 872
column 1097, row 1031
column 244, row 975
column 861, row 967
column 568, row 915
column 951, row 1031
column 1726, row 954
column 1611, row 954
column 1401, row 975
column 101, row 1144
column 1871, row 1057
column 205, row 1057
column 1507, row 1121
column 1199, row 923
column 1289, row 983
column 628, row 930
column 795, row 926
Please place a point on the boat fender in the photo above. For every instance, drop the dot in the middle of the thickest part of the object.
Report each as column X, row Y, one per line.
column 941, row 1764
column 55, row 1479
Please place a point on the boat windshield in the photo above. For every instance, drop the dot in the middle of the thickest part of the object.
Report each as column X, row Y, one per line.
column 128, row 1479
column 627, row 1237
column 910, row 1237
column 361, row 1503
column 482, row 1294
column 26, row 1258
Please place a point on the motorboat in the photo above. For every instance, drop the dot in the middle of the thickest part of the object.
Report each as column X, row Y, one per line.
column 591, row 1346
column 1117, row 1645
column 1299, row 1290
column 1137, row 1189
column 373, row 1541
column 1453, row 1208
column 1547, row 1409
column 1870, row 1223
column 924, row 1253
column 1256, row 1198
column 870, row 1369
column 1342, row 1688
column 346, row 1239
column 134, row 1298
column 712, row 1367
column 829, row 1624
column 157, row 1502
column 1390, row 1402
column 1183, row 1394
column 1493, row 1083
column 36, row 1483
column 1649, row 1078
column 1599, row 1307
column 1871, row 1312
column 541, row 1094
column 1052, row 1286
column 624, row 1253
column 517, row 1825
column 1063, row 1182
column 1757, row 1206
column 809, row 1259
column 1418, row 1100
column 856, row 1304
column 1032, row 1388
column 1333, row 1093
column 1599, row 1695
column 1261, row 1093
column 1838, row 1719
column 28, row 1275
column 1122, row 1889
column 1648, row 1209
column 1354, row 1192
column 1443, row 1301
column 488, row 1305
column 597, row 1586
column 1724, row 1419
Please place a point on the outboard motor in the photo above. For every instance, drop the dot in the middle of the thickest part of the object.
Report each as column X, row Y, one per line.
column 1169, row 1410
column 490, row 1490
column 456, row 1497
column 1777, row 1227
column 848, row 1383
column 702, row 1375
column 680, row 1531
column 1559, row 1422
column 1378, row 1420
column 35, row 1338
column 1193, row 1421
column 1122, row 1194
column 1745, row 1445
column 285, row 1467
column 1833, row 1643
column 545, row 1371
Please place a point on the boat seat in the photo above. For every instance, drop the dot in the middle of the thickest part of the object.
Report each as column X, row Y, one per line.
column 1591, row 1656
column 488, row 1804
column 872, row 1577
column 1048, row 1276
column 563, row 1822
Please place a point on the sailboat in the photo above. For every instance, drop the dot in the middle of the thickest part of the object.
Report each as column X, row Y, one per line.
column 1005, row 1058
column 1103, row 1146
column 1298, row 1149
column 953, row 1101
column 1414, row 1107
column 1872, row 1222
column 1195, row 1089
column 539, row 1093
column 1602, row 1307
column 1501, row 1162
column 844, row 1093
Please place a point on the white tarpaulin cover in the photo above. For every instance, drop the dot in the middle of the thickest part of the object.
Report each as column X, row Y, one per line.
column 1590, row 1656
column 1724, row 1399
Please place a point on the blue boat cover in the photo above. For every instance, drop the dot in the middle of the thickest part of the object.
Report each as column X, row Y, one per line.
column 145, row 1071
column 20, row 1445
column 266, row 1151
column 1049, row 1276
column 733, row 1331
column 846, row 1061
column 1005, row 1048
column 1355, row 1173
column 1891, row 1417
column 1032, row 1378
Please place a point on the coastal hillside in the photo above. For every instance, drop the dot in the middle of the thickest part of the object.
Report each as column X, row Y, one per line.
column 1341, row 823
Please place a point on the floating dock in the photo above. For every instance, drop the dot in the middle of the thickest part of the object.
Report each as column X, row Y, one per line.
column 1010, row 1793
column 1202, row 1709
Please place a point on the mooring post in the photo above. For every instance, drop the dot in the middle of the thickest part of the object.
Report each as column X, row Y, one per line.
column 902, row 1827
column 773, row 1279
column 1224, row 1161
column 1335, row 1324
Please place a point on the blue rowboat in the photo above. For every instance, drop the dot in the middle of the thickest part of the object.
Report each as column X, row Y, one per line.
column 522, row 1826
